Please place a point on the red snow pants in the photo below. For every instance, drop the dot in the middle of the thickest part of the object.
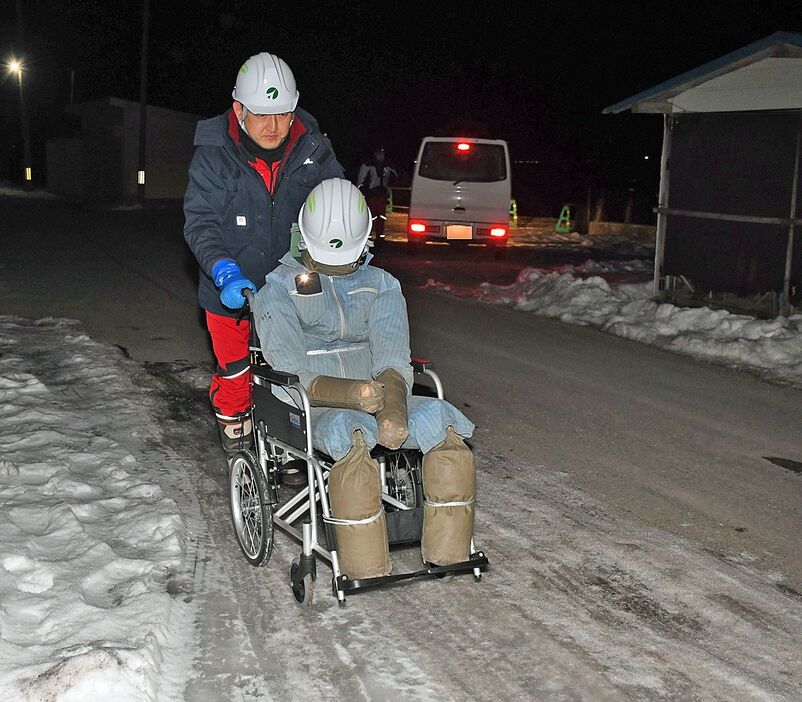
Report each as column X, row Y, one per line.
column 230, row 391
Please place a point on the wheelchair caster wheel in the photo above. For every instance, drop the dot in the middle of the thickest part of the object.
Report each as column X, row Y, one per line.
column 442, row 577
column 302, row 588
column 478, row 578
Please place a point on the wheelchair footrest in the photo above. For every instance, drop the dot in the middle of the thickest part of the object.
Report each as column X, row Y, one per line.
column 477, row 560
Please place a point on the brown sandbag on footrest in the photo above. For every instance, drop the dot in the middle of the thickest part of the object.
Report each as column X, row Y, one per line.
column 355, row 497
column 449, row 485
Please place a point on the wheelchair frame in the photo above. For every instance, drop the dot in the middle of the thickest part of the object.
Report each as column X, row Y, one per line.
column 283, row 432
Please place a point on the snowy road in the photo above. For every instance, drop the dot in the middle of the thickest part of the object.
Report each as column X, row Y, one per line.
column 581, row 603
column 666, row 440
column 642, row 546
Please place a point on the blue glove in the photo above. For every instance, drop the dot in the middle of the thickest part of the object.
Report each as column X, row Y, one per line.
column 228, row 277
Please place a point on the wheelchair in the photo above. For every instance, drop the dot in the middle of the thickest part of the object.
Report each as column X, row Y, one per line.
column 259, row 503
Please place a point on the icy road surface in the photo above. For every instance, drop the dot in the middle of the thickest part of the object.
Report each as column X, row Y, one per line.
column 580, row 603
column 644, row 546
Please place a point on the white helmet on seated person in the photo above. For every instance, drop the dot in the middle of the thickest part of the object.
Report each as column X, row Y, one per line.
column 335, row 223
column 266, row 85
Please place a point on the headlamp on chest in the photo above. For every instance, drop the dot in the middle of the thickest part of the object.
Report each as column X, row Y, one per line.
column 308, row 283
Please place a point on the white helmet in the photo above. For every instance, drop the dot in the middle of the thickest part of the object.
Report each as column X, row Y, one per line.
column 266, row 86
column 335, row 222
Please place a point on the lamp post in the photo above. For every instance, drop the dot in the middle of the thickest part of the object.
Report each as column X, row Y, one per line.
column 143, row 103
column 15, row 66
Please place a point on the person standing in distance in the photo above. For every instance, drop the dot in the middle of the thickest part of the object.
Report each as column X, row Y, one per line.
column 252, row 169
column 373, row 180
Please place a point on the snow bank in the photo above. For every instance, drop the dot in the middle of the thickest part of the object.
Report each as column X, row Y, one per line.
column 37, row 193
column 772, row 348
column 88, row 540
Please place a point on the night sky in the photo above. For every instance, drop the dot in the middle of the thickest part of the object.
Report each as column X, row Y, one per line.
column 392, row 72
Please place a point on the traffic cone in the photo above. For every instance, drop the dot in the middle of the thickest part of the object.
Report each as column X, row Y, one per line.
column 564, row 224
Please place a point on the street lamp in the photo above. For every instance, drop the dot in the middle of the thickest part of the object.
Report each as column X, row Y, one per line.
column 16, row 66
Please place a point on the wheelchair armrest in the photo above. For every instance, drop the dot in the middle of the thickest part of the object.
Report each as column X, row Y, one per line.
column 419, row 365
column 276, row 377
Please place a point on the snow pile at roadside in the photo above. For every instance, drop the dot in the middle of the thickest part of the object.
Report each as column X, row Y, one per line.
column 13, row 191
column 88, row 542
column 772, row 348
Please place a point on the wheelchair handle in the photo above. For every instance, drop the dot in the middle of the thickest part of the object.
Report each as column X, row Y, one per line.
column 247, row 293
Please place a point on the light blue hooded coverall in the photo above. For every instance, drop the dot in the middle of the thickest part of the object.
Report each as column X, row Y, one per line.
column 355, row 328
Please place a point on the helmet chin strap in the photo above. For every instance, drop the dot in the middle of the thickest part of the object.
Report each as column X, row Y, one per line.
column 325, row 269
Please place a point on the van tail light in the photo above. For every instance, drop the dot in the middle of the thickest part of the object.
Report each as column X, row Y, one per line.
column 498, row 232
column 463, row 146
column 417, row 227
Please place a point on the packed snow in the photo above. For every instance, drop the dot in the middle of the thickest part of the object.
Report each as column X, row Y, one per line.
column 599, row 294
column 89, row 539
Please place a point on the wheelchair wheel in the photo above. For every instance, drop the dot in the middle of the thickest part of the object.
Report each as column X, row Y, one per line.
column 251, row 512
column 404, row 477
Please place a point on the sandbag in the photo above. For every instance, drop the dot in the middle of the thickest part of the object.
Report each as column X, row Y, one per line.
column 355, row 496
column 362, row 395
column 449, row 486
column 392, row 418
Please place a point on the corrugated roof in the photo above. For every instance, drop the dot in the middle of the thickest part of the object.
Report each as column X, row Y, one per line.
column 779, row 44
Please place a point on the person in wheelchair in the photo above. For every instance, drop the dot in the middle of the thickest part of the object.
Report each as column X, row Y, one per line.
column 340, row 324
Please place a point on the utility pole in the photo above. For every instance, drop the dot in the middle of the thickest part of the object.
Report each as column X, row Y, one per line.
column 143, row 102
column 27, row 166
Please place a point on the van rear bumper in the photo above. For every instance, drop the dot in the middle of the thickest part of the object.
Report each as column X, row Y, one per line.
column 457, row 232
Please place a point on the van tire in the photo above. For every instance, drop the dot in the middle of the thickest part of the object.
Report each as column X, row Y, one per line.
column 499, row 252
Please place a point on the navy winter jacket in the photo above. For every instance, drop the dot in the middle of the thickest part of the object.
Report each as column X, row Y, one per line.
column 228, row 210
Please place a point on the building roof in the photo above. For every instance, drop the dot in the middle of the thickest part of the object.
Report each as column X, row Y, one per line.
column 129, row 106
column 765, row 75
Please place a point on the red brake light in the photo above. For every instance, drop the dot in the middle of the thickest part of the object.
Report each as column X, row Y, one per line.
column 498, row 231
column 463, row 146
column 417, row 227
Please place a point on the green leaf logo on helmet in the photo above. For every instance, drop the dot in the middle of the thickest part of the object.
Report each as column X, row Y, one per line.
column 335, row 243
column 244, row 68
column 310, row 202
column 272, row 93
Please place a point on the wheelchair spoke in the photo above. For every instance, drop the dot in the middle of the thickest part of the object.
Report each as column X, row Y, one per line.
column 253, row 537
column 403, row 477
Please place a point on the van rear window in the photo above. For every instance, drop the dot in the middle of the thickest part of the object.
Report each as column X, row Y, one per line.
column 481, row 163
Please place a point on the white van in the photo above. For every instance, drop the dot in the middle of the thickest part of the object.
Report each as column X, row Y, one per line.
column 461, row 193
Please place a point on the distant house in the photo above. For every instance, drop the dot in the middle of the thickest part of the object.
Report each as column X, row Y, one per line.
column 729, row 217
column 101, row 162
